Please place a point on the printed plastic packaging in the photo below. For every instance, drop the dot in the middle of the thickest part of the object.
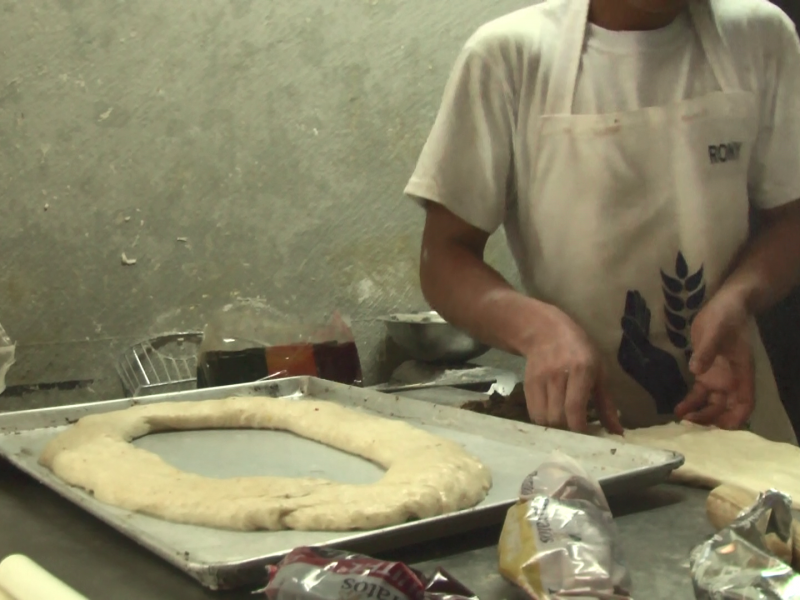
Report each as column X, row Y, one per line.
column 559, row 540
column 319, row 574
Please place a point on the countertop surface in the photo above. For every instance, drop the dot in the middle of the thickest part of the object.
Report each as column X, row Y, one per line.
column 658, row 528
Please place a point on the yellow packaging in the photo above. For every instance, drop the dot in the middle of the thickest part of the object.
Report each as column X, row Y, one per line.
column 559, row 540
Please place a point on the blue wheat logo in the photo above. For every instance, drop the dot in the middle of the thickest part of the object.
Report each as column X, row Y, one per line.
column 684, row 295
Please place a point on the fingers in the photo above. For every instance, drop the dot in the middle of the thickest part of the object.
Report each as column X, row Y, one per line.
column 536, row 399
column 556, row 394
column 579, row 389
column 695, row 400
column 606, row 409
column 559, row 398
column 705, row 349
column 712, row 412
column 740, row 404
column 735, row 417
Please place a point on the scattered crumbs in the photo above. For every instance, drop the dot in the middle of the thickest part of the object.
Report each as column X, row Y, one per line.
column 613, row 451
column 183, row 239
column 316, row 410
column 127, row 219
column 46, row 206
column 128, row 261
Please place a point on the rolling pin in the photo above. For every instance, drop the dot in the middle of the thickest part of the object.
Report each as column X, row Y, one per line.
column 726, row 502
column 23, row 579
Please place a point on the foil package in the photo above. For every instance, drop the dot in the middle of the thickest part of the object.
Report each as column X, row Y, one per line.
column 736, row 564
column 559, row 540
column 320, row 574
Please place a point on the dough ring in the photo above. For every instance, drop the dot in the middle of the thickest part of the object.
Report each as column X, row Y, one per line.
column 426, row 475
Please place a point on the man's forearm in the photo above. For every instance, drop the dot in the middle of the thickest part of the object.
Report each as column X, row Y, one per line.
column 769, row 267
column 474, row 297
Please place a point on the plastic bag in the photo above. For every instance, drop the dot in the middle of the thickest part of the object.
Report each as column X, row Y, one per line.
column 319, row 574
column 250, row 341
column 560, row 540
column 7, row 350
column 736, row 563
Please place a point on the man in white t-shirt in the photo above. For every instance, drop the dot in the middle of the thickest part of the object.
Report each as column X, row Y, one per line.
column 621, row 144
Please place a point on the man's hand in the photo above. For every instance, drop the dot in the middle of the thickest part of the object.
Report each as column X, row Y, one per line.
column 562, row 374
column 724, row 391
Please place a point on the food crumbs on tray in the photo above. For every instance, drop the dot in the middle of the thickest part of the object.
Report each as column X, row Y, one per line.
column 613, row 451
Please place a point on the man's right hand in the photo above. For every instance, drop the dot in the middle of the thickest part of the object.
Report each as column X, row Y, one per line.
column 563, row 373
column 563, row 369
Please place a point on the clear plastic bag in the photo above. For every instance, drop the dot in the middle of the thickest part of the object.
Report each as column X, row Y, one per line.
column 737, row 563
column 559, row 540
column 250, row 340
column 7, row 350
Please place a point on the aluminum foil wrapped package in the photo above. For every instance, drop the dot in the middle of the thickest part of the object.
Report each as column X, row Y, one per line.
column 319, row 574
column 736, row 563
column 559, row 540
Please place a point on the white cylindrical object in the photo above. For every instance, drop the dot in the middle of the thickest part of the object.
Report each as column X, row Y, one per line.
column 23, row 579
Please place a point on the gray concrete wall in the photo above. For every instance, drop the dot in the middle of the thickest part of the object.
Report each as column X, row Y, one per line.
column 275, row 136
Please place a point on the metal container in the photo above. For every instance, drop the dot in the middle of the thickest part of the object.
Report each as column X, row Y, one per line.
column 221, row 559
column 426, row 336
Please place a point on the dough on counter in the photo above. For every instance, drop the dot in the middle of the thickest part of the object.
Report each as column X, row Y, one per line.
column 426, row 475
column 716, row 456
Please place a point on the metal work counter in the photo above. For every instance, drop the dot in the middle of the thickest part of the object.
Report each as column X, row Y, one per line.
column 658, row 529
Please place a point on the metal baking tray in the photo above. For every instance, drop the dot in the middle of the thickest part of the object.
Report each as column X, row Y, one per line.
column 221, row 559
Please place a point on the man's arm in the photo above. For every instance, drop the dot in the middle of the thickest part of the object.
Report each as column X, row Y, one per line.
column 469, row 293
column 764, row 274
column 563, row 369
column 770, row 265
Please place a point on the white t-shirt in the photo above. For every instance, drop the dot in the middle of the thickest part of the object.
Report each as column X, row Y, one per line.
column 467, row 164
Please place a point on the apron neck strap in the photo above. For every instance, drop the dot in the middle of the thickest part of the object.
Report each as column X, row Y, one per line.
column 716, row 50
column 569, row 51
column 567, row 60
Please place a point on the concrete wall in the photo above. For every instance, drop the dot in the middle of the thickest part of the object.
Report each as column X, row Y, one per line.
column 275, row 136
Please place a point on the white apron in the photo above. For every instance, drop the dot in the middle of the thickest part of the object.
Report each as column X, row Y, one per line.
column 632, row 219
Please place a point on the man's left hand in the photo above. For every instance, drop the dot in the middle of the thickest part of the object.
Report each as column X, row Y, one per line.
column 723, row 394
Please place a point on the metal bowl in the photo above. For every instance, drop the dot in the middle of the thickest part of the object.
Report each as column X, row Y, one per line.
column 426, row 336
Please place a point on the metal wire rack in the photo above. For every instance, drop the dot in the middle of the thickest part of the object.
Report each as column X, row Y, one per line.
column 165, row 363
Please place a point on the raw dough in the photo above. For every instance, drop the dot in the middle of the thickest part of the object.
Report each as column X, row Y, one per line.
column 715, row 456
column 426, row 475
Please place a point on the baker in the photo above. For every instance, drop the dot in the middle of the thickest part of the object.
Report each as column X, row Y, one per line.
column 621, row 145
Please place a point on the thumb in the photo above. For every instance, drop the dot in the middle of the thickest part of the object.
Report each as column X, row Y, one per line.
column 705, row 348
column 606, row 410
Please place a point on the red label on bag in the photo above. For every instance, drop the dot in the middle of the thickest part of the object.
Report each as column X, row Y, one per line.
column 317, row 574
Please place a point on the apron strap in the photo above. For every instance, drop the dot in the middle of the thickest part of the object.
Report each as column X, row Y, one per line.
column 717, row 52
column 567, row 59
